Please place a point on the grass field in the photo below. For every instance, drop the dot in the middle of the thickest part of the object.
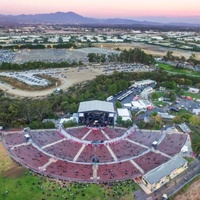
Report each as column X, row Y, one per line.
column 159, row 103
column 196, row 96
column 31, row 187
column 172, row 69
column 17, row 183
column 181, row 112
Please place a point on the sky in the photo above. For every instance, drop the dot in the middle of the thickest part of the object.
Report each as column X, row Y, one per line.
column 104, row 8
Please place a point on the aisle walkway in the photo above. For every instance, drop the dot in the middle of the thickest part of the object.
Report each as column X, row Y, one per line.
column 19, row 145
column 79, row 152
column 86, row 134
column 105, row 134
column 51, row 160
column 48, row 145
column 112, row 153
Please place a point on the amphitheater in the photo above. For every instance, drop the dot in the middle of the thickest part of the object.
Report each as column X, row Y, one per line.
column 86, row 154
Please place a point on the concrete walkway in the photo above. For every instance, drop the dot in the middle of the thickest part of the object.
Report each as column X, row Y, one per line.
column 146, row 147
column 164, row 154
column 79, row 153
column 112, row 153
column 48, row 145
column 86, row 134
column 95, row 169
column 51, row 160
column 137, row 166
column 19, row 145
column 105, row 134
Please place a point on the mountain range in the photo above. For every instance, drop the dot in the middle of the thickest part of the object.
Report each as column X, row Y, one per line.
column 74, row 18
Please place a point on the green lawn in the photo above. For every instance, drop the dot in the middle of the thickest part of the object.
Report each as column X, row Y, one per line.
column 189, row 159
column 181, row 112
column 170, row 68
column 30, row 187
column 159, row 103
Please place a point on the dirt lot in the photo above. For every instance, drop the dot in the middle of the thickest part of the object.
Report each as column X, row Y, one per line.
column 193, row 192
column 8, row 168
column 150, row 49
column 73, row 76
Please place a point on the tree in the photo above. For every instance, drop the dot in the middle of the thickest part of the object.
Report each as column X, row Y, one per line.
column 70, row 123
column 60, row 40
column 178, row 120
column 118, row 104
column 112, row 89
column 154, row 95
column 119, row 120
column 35, row 41
column 169, row 55
column 127, row 123
column 195, row 120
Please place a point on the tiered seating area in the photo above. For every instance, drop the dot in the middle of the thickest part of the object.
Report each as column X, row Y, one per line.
column 70, row 171
column 144, row 137
column 30, row 156
column 95, row 134
column 172, row 143
column 14, row 138
column 124, row 149
column 114, row 132
column 78, row 132
column 42, row 138
column 101, row 152
column 66, row 149
column 150, row 160
column 109, row 169
column 119, row 171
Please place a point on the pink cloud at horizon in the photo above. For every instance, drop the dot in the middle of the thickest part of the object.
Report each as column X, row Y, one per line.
column 105, row 8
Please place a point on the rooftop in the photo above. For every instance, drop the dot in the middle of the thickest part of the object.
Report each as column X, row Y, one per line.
column 96, row 105
column 155, row 175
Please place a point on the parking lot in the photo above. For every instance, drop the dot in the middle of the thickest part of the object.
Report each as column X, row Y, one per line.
column 127, row 67
column 6, row 56
column 128, row 95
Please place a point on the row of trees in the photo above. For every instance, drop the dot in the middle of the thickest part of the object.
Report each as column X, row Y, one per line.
column 170, row 57
column 126, row 56
column 17, row 112
column 37, row 65
column 135, row 55
column 41, row 46
column 96, row 57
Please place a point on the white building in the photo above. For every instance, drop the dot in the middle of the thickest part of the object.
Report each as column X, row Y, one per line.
column 124, row 113
column 193, row 90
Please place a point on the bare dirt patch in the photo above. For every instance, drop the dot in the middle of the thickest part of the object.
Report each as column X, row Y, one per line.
column 192, row 193
column 73, row 76
column 14, row 172
column 149, row 49
column 8, row 168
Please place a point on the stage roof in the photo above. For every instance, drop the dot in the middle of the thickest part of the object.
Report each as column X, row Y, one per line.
column 96, row 105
